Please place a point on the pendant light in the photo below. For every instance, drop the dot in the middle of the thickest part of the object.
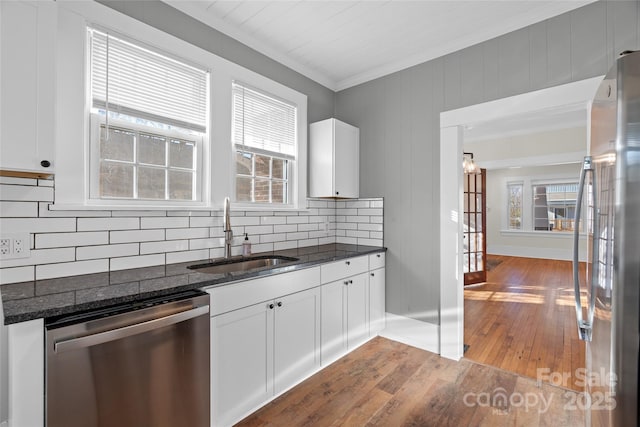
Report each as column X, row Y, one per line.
column 468, row 165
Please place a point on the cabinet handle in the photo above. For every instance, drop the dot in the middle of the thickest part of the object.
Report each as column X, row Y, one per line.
column 378, row 255
column 337, row 192
column 279, row 303
column 373, row 274
column 346, row 282
column 270, row 306
column 45, row 163
column 348, row 262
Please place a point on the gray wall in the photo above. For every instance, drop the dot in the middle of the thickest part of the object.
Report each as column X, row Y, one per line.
column 398, row 117
column 172, row 21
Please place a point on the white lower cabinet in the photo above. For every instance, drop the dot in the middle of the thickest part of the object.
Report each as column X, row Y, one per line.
column 260, row 351
column 345, row 316
column 377, row 307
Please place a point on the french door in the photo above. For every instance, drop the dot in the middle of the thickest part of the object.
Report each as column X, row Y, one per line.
column 475, row 243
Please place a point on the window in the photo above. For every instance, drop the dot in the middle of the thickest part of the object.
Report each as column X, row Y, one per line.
column 554, row 206
column 514, row 209
column 264, row 139
column 149, row 115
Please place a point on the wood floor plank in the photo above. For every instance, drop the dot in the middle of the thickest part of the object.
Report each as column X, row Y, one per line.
column 523, row 319
column 437, row 392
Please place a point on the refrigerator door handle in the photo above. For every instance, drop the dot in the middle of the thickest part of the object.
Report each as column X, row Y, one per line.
column 584, row 325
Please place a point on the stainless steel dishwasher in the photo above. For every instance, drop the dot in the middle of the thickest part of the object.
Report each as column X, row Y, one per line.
column 142, row 364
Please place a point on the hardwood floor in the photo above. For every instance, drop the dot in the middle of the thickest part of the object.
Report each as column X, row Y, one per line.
column 523, row 319
column 386, row 383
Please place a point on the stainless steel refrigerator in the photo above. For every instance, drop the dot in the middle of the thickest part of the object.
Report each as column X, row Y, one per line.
column 608, row 299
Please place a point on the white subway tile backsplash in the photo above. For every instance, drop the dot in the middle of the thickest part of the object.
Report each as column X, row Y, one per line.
column 278, row 246
column 107, row 251
column 136, row 262
column 308, row 227
column 273, row 220
column 25, row 193
column 270, row 238
column 138, row 214
column 297, row 219
column 18, row 209
column 211, row 221
column 50, row 271
column 17, row 274
column 245, row 220
column 38, row 225
column 204, row 243
column 67, row 243
column 164, row 222
column 188, row 213
column 189, row 233
column 371, row 212
column 96, row 224
column 185, row 256
column 262, row 247
column 303, row 235
column 258, row 229
column 136, row 236
column 60, row 240
column 165, row 246
column 45, row 211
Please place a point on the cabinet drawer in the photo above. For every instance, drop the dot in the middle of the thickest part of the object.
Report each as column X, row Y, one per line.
column 376, row 260
column 248, row 292
column 343, row 268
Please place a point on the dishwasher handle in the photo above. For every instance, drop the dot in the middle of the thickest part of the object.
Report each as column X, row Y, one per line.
column 127, row 331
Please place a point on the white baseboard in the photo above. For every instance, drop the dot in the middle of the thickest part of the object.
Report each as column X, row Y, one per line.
column 412, row 332
column 532, row 252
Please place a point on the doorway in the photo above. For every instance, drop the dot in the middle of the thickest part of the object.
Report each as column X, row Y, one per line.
column 452, row 123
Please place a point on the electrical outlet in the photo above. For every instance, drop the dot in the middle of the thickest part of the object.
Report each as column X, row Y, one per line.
column 15, row 245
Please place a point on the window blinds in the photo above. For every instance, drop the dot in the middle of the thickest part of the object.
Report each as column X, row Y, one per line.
column 133, row 80
column 262, row 123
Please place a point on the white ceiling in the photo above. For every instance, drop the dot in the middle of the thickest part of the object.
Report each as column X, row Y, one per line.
column 343, row 43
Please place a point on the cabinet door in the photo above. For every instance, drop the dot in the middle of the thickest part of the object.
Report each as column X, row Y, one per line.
column 357, row 310
column 346, row 160
column 241, row 362
column 333, row 317
column 27, row 58
column 376, row 301
column 296, row 338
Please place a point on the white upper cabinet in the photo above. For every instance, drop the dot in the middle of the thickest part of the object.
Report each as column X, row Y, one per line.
column 334, row 158
column 27, row 89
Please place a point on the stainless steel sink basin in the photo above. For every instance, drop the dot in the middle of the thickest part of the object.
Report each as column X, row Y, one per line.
column 235, row 265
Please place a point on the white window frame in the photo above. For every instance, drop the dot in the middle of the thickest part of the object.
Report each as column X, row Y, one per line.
column 291, row 162
column 535, row 183
column 94, row 168
column 72, row 181
column 522, row 205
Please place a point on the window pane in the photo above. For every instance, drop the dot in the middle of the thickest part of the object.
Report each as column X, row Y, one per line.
column 244, row 163
column 116, row 180
column 278, row 169
column 151, row 183
column 181, row 154
column 261, row 190
column 243, row 189
column 263, row 165
column 119, row 146
column 180, row 185
column 152, row 150
column 515, row 206
column 278, row 192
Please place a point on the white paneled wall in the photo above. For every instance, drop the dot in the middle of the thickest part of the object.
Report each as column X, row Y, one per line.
column 68, row 243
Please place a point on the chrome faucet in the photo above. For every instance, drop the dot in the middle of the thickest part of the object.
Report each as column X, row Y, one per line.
column 228, row 233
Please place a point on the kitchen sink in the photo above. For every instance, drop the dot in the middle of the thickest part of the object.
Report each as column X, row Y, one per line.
column 235, row 265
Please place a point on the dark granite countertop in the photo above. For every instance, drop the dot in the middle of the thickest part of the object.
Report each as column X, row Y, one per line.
column 69, row 295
